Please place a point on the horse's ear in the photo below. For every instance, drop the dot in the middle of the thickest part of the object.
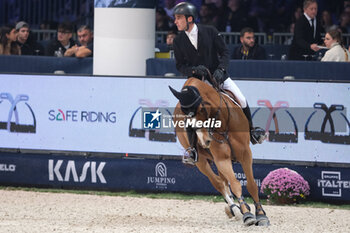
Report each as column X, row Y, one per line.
column 175, row 93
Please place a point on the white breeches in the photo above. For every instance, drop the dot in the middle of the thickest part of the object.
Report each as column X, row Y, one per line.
column 230, row 85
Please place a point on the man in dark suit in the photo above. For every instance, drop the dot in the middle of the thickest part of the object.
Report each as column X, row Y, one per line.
column 198, row 47
column 307, row 33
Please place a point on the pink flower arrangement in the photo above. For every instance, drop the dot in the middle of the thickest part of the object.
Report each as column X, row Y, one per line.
column 284, row 185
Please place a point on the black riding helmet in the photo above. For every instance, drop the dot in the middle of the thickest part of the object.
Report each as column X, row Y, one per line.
column 187, row 9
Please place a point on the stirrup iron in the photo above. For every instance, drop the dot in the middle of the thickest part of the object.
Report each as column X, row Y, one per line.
column 257, row 135
column 190, row 156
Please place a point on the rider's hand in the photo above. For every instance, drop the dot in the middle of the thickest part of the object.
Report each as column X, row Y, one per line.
column 199, row 71
column 219, row 75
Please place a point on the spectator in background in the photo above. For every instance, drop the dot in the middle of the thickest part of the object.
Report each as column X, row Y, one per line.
column 291, row 30
column 206, row 14
column 336, row 52
column 219, row 10
column 327, row 22
column 8, row 37
column 26, row 42
column 249, row 50
column 307, row 33
column 86, row 43
column 162, row 20
column 46, row 25
column 298, row 12
column 236, row 16
column 263, row 11
column 63, row 42
column 170, row 39
column 169, row 8
column 344, row 22
column 282, row 17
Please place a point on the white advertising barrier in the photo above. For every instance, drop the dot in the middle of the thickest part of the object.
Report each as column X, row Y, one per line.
column 93, row 114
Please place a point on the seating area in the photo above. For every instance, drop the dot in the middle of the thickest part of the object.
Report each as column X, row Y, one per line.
column 266, row 69
column 273, row 51
column 45, row 65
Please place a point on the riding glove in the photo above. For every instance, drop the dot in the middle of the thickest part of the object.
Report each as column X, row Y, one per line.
column 200, row 71
column 219, row 75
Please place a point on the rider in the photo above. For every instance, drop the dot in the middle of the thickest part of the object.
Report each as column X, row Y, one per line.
column 198, row 47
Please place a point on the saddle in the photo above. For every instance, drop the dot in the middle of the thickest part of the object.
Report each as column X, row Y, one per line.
column 231, row 96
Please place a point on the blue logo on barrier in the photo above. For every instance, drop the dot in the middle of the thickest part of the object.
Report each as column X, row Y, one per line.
column 152, row 119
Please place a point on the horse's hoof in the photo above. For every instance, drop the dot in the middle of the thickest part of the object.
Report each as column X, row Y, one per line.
column 228, row 212
column 233, row 211
column 262, row 220
column 249, row 219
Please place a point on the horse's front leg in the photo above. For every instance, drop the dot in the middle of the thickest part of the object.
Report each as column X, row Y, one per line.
column 218, row 183
column 222, row 158
column 231, row 210
column 247, row 165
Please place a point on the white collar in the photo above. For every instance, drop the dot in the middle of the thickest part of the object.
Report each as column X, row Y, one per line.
column 308, row 17
column 193, row 32
column 193, row 36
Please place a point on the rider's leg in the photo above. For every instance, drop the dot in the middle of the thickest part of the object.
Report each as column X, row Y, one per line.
column 257, row 135
column 192, row 155
column 230, row 85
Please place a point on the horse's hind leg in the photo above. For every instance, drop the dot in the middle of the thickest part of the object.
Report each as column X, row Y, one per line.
column 247, row 165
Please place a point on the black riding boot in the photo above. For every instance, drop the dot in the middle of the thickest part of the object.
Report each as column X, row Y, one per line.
column 257, row 134
column 191, row 157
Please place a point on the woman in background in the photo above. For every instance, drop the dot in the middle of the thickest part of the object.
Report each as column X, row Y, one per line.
column 336, row 52
column 8, row 45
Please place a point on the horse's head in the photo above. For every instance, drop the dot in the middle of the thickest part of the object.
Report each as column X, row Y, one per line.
column 189, row 99
column 192, row 105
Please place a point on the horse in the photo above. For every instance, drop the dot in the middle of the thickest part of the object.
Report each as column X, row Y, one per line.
column 229, row 141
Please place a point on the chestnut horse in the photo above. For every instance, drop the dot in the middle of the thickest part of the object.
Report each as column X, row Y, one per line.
column 226, row 143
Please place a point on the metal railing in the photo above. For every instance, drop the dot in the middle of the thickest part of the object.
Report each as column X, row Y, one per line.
column 282, row 38
column 229, row 37
column 44, row 34
column 233, row 37
column 41, row 35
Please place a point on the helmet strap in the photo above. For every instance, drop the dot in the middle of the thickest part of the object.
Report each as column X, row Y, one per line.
column 188, row 23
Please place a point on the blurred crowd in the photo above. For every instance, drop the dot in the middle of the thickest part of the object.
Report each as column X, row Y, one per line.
column 261, row 15
column 16, row 39
column 266, row 16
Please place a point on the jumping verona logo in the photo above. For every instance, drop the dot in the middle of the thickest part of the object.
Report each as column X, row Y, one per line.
column 161, row 179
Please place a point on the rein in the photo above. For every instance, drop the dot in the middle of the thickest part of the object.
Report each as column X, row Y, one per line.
column 211, row 129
